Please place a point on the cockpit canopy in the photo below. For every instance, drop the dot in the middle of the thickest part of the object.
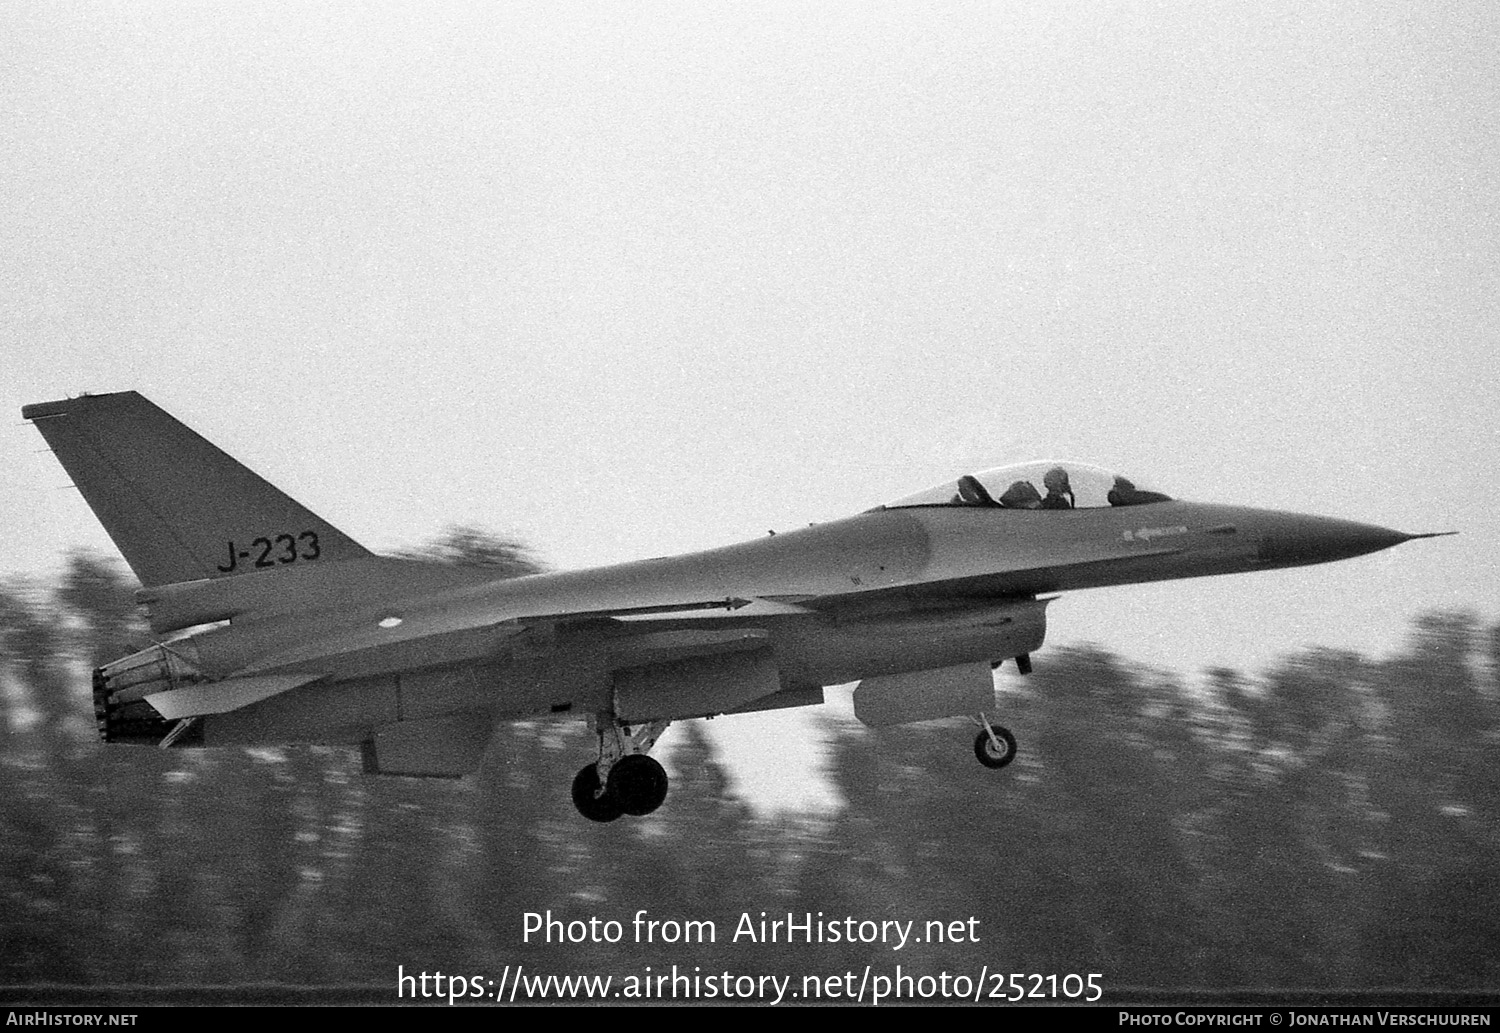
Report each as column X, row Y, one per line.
column 1038, row 485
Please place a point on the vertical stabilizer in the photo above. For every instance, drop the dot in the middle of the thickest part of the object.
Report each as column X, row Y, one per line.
column 178, row 508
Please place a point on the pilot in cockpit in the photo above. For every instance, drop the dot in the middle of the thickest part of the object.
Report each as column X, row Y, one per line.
column 1125, row 493
column 972, row 493
column 1021, row 495
column 1059, row 491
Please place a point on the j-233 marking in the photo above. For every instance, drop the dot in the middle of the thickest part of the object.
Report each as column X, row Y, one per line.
column 283, row 548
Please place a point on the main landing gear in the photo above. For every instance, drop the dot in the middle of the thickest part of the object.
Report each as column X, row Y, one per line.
column 624, row 780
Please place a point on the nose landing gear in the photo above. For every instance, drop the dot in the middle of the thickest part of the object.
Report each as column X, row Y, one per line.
column 994, row 746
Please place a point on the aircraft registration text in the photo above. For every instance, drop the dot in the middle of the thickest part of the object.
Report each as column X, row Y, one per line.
column 268, row 552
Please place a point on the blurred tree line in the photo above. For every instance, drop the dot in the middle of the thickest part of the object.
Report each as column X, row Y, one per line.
column 1334, row 822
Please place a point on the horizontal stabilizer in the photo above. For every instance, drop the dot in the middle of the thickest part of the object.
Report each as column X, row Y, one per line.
column 224, row 696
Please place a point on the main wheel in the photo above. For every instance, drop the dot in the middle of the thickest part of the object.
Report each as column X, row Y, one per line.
column 994, row 754
column 639, row 783
column 605, row 807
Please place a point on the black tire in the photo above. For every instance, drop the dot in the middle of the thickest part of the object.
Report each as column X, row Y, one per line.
column 639, row 783
column 985, row 750
column 594, row 808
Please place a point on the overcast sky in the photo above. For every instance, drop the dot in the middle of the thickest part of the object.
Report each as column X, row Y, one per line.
column 634, row 279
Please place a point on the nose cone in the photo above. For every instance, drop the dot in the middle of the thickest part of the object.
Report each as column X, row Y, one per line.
column 1292, row 540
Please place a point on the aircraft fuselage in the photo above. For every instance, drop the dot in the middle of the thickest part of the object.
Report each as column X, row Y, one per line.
column 884, row 592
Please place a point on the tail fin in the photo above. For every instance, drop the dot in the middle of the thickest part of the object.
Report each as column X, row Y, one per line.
column 178, row 508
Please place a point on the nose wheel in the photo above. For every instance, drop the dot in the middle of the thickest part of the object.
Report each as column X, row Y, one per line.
column 995, row 746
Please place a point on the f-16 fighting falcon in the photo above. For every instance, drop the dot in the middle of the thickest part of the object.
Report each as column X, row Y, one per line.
column 275, row 627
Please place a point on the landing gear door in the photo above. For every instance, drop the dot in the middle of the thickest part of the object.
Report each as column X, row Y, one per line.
column 898, row 699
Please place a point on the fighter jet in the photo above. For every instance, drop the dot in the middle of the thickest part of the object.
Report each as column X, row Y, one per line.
column 275, row 627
